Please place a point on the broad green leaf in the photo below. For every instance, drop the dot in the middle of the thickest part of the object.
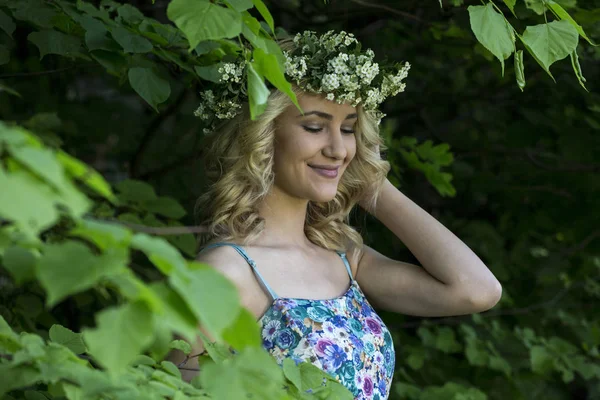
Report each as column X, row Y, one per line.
column 264, row 11
column 244, row 332
column 258, row 93
column 9, row 340
column 511, row 5
column 7, row 24
column 564, row 15
column 121, row 334
column 84, row 269
column 92, row 179
column 446, row 341
column 536, row 6
column 131, row 42
column 177, row 315
column 4, row 55
column 135, row 191
column 541, row 360
column 164, row 256
column 202, row 20
column 493, row 31
column 105, row 235
column 199, row 286
column 181, row 345
column 37, row 12
column 54, row 42
column 130, row 14
column 149, row 85
column 96, row 35
column 73, row 341
column 520, row 69
column 20, row 262
column 115, row 63
column 268, row 66
column 17, row 376
column 577, row 69
column 43, row 163
column 292, row 372
column 209, row 72
column 251, row 29
column 240, row 5
column 165, row 206
column 551, row 42
column 27, row 202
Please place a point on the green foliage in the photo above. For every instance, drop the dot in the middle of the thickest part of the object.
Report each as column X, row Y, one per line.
column 512, row 174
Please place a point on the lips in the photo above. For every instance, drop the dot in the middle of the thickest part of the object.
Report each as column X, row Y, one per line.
column 325, row 171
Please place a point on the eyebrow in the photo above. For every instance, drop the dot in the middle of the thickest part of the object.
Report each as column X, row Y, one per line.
column 325, row 115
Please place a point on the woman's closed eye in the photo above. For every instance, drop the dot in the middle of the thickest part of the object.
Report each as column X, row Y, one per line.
column 316, row 129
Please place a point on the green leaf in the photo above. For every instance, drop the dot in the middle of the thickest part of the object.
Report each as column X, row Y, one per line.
column 54, row 42
column 292, row 372
column 520, row 69
column 73, row 341
column 268, row 66
column 199, row 286
column 511, row 5
column 209, row 72
column 564, row 15
column 542, row 361
column 7, row 24
column 115, row 63
column 202, row 20
column 135, row 191
column 131, row 43
column 92, row 179
column 29, row 204
column 20, row 262
column 181, row 345
column 121, row 334
column 84, row 269
column 105, row 235
column 264, row 11
column 177, row 315
column 165, row 206
column 96, row 35
column 164, row 256
column 35, row 11
column 244, row 332
column 492, row 31
column 577, row 69
column 240, row 5
column 536, row 6
column 551, row 42
column 149, row 85
column 258, row 93
column 130, row 14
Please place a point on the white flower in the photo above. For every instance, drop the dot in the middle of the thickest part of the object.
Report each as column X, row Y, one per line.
column 330, row 96
column 330, row 82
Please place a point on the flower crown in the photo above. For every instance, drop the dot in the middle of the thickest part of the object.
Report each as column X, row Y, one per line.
column 331, row 64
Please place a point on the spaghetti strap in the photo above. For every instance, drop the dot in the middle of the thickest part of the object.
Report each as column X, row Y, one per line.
column 249, row 260
column 346, row 263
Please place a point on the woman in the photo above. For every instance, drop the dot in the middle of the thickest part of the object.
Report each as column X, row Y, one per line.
column 278, row 211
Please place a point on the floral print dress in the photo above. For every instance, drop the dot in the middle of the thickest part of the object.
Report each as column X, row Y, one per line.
column 343, row 336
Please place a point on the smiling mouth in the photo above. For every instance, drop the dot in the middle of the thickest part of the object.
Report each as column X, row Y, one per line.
column 326, row 172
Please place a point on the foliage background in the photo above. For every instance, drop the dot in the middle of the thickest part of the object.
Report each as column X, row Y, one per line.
column 514, row 174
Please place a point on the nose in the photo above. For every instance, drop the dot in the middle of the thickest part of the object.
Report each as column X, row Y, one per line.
column 336, row 146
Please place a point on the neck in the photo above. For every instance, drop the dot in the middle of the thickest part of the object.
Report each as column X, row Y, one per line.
column 285, row 217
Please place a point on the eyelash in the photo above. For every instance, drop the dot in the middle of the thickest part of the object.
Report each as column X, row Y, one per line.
column 317, row 130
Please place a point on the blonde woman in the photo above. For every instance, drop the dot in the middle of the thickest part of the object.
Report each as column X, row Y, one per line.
column 283, row 187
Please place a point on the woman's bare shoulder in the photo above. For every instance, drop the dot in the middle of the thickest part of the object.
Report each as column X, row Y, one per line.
column 228, row 261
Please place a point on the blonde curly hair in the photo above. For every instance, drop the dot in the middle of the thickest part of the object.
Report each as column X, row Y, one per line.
column 239, row 168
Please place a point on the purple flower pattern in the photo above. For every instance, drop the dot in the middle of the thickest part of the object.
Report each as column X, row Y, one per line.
column 343, row 336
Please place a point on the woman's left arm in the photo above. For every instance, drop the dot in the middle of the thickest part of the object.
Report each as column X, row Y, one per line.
column 452, row 281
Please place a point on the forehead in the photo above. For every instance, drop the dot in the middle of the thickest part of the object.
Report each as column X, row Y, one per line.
column 310, row 102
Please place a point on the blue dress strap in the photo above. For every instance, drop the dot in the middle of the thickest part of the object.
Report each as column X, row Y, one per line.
column 346, row 263
column 249, row 260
